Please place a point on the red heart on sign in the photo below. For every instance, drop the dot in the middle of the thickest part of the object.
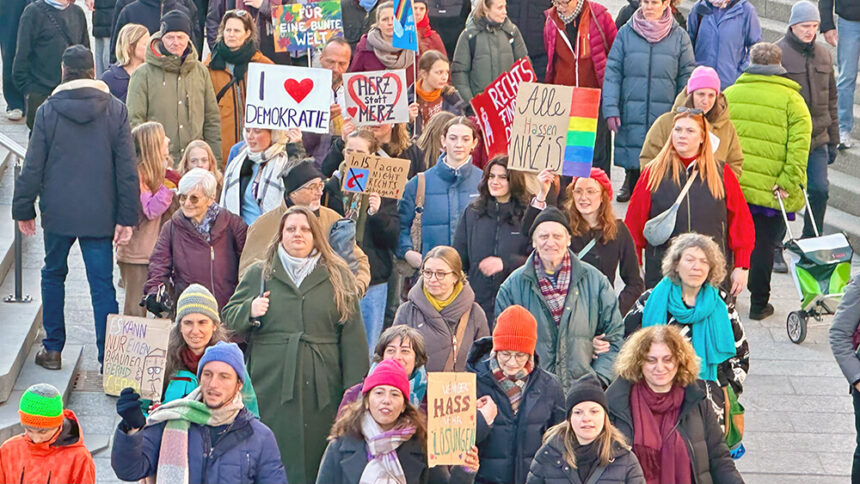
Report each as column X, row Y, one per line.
column 298, row 90
column 352, row 111
column 351, row 89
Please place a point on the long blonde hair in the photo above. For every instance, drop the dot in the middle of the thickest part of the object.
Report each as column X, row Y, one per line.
column 343, row 282
column 668, row 161
column 607, row 437
column 126, row 42
column 213, row 162
column 149, row 146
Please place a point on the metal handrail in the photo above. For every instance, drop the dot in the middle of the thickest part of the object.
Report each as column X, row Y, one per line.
column 17, row 152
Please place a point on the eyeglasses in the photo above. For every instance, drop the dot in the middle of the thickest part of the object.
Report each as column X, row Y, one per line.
column 590, row 192
column 194, row 199
column 507, row 355
column 314, row 187
column 693, row 111
column 239, row 13
column 438, row 274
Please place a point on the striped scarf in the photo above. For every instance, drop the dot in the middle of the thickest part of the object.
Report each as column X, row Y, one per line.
column 383, row 466
column 554, row 294
column 179, row 415
column 513, row 386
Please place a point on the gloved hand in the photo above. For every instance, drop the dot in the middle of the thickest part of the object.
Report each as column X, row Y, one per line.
column 154, row 306
column 128, row 407
column 832, row 152
column 614, row 122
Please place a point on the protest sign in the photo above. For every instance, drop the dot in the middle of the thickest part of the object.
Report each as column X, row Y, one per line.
column 283, row 97
column 539, row 132
column 494, row 107
column 376, row 97
column 581, row 133
column 135, row 355
column 302, row 26
column 405, row 31
column 450, row 417
column 375, row 174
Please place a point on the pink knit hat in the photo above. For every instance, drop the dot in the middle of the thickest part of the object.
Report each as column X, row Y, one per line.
column 703, row 77
column 388, row 372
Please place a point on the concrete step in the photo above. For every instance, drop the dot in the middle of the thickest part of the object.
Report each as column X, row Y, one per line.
column 836, row 220
column 844, row 192
column 847, row 162
column 21, row 323
column 31, row 373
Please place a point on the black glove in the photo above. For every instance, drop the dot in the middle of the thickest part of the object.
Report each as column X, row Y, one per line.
column 832, row 152
column 128, row 407
column 155, row 306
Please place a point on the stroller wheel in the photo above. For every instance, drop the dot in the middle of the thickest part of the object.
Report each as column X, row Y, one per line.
column 795, row 326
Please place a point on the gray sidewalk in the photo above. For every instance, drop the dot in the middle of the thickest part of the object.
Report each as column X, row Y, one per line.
column 799, row 417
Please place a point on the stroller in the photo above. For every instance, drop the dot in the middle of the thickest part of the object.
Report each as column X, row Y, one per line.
column 820, row 267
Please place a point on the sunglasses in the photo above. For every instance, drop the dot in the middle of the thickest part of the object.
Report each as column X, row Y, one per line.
column 693, row 111
column 194, row 199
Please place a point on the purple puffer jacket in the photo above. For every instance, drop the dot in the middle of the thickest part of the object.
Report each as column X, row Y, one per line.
column 183, row 256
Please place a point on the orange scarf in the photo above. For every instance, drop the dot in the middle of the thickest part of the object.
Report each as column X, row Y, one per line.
column 427, row 96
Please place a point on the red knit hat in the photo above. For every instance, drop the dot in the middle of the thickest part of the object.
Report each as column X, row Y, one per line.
column 388, row 372
column 599, row 176
column 516, row 330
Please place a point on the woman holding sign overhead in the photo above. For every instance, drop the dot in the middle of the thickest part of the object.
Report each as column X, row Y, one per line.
column 236, row 46
column 382, row 437
column 375, row 52
column 487, row 48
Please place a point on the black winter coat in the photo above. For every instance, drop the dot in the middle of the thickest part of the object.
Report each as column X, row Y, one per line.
column 493, row 233
column 507, row 447
column 148, row 13
column 103, row 18
column 528, row 16
column 712, row 463
column 41, row 44
column 549, row 467
column 334, row 158
column 847, row 9
column 79, row 132
column 346, row 457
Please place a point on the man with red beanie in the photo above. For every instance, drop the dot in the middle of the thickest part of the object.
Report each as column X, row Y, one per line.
column 508, row 378
column 51, row 449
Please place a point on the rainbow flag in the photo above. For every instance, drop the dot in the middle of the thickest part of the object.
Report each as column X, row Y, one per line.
column 581, row 132
column 405, row 31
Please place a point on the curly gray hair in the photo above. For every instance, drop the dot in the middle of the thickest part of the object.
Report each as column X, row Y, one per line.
column 716, row 259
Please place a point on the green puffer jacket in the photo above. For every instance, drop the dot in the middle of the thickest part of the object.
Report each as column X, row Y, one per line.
column 774, row 128
column 178, row 94
column 591, row 309
column 497, row 47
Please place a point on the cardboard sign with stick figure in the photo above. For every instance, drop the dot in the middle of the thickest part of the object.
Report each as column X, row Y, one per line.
column 135, row 355
column 375, row 174
column 376, row 97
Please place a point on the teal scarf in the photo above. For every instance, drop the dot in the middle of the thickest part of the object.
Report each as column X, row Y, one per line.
column 712, row 334
column 417, row 384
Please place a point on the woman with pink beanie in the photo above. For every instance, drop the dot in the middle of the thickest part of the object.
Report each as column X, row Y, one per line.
column 702, row 92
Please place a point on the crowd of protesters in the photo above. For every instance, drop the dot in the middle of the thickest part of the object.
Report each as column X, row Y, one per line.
column 307, row 318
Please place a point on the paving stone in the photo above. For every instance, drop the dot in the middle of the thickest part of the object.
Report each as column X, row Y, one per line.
column 783, row 442
column 819, row 385
column 815, row 421
column 760, row 459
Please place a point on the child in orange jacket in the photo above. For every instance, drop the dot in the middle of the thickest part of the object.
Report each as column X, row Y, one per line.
column 51, row 449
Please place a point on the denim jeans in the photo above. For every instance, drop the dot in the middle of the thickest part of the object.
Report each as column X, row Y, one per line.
column 98, row 260
column 847, row 55
column 101, row 55
column 373, row 312
column 817, row 188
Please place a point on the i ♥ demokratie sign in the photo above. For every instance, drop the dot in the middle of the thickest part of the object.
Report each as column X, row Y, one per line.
column 283, row 97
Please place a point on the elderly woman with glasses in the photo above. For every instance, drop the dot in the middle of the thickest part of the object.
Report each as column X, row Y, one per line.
column 200, row 244
column 713, row 204
column 442, row 307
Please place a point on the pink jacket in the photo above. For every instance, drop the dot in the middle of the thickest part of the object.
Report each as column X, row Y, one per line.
column 601, row 35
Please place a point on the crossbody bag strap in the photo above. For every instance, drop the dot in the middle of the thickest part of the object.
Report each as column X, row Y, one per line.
column 600, row 30
column 419, row 195
column 587, row 248
column 457, row 340
column 686, row 187
column 58, row 23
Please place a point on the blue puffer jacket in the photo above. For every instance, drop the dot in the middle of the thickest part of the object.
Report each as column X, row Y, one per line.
column 246, row 453
column 722, row 38
column 508, row 446
column 447, row 193
column 641, row 82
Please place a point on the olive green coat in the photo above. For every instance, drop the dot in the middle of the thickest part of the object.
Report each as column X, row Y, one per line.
column 496, row 48
column 300, row 359
column 178, row 94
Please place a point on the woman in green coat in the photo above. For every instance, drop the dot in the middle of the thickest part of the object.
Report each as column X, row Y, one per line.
column 488, row 47
column 299, row 311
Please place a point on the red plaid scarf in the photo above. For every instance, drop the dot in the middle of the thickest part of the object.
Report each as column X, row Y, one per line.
column 554, row 296
column 513, row 386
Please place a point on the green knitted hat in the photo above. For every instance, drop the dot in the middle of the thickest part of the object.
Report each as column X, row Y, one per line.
column 196, row 299
column 41, row 407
